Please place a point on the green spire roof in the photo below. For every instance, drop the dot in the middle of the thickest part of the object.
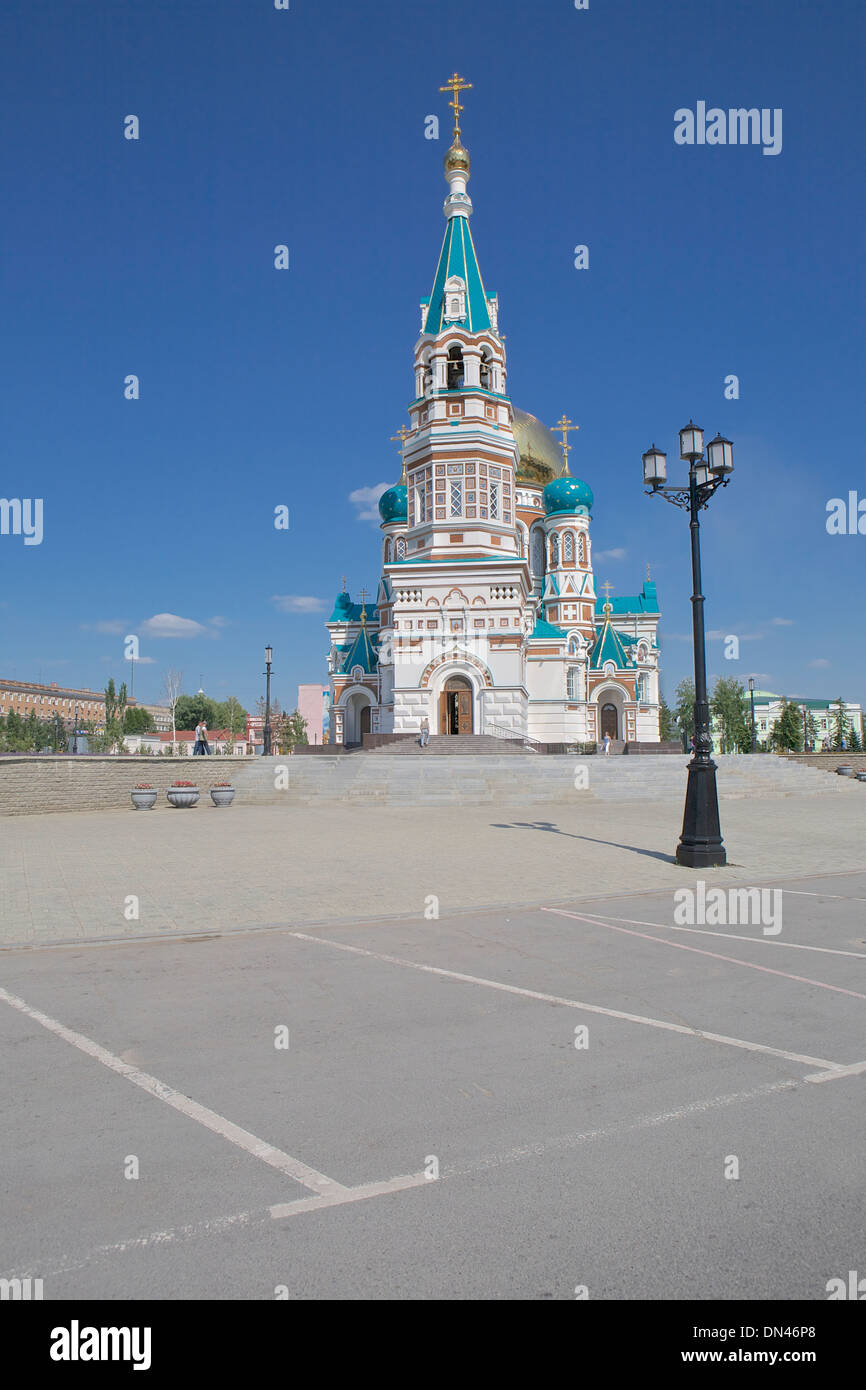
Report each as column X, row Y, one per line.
column 361, row 653
column 609, row 647
column 458, row 258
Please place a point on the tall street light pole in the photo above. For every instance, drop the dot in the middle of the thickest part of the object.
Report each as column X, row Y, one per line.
column 266, row 749
column 752, row 701
column 701, row 845
column 75, row 732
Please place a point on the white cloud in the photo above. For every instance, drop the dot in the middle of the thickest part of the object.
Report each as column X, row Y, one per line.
column 616, row 554
column 819, row 661
column 219, row 622
column 782, row 622
column 143, row 660
column 366, row 499
column 170, row 625
column 298, row 603
column 109, row 625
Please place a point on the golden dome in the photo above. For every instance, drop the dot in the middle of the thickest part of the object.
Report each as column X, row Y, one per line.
column 457, row 158
column 540, row 455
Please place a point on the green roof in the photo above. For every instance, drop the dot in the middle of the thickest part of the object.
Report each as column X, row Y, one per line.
column 545, row 629
column 609, row 647
column 458, row 258
column 361, row 653
column 646, row 601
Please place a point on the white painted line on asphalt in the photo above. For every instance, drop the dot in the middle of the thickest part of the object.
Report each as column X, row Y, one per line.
column 696, row 950
column 351, row 1194
column 572, row 1003
column 729, row 936
column 840, row 897
column 258, row 1148
column 570, row 1141
column 856, row 1069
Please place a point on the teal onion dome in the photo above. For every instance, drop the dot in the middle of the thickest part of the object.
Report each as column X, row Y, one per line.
column 393, row 504
column 567, row 494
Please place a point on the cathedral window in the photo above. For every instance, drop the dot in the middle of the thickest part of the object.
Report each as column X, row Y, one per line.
column 554, row 551
column 420, row 511
column 581, row 550
column 485, row 375
column 388, row 551
column 537, row 552
column 455, row 299
column 456, row 496
column 455, row 368
column 494, row 500
column 574, row 682
column 568, row 548
column 401, row 548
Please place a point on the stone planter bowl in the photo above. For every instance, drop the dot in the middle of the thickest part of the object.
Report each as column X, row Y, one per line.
column 144, row 800
column 845, row 770
column 222, row 796
column 861, row 776
column 183, row 796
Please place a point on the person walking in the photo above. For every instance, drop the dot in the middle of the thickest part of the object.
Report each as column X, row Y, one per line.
column 606, row 743
column 197, row 748
column 425, row 731
column 205, row 746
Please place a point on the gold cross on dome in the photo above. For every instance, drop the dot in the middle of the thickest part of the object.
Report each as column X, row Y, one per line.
column 344, row 583
column 608, row 606
column 565, row 425
column 364, row 606
column 402, row 434
column 456, row 85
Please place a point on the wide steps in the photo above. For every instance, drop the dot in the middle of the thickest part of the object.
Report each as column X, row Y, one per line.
column 500, row 778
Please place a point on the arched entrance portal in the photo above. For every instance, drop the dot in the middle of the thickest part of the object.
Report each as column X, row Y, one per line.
column 455, row 706
column 609, row 721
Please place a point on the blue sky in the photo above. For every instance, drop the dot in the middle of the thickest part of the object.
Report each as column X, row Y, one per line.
column 262, row 387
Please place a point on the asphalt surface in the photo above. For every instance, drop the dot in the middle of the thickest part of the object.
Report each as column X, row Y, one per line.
column 265, row 1168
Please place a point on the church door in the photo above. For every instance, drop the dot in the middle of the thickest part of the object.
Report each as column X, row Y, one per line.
column 365, row 721
column 455, row 708
column 608, row 721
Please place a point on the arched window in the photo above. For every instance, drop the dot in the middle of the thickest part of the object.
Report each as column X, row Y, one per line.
column 522, row 538
column 388, row 550
column 581, row 549
column 573, row 646
column 401, row 548
column 554, row 551
column 455, row 368
column 536, row 552
column 568, row 548
column 485, row 369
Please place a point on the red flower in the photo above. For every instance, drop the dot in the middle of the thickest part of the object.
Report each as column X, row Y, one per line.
column 183, row 784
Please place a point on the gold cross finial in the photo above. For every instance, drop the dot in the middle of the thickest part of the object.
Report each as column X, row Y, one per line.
column 565, row 425
column 344, row 583
column 402, row 434
column 608, row 606
column 456, row 85
column 648, row 575
column 363, row 606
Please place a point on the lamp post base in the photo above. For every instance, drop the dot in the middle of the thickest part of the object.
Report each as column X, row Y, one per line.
column 701, row 845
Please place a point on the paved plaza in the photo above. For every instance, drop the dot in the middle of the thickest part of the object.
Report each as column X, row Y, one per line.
column 326, row 1093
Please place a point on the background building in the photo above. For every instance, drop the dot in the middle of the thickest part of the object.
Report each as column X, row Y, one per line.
column 48, row 700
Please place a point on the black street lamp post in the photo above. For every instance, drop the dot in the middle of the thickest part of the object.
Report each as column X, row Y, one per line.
column 266, row 748
column 752, row 702
column 701, row 845
column 75, row 732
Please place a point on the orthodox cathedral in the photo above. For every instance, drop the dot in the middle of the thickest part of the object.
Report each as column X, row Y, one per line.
column 486, row 618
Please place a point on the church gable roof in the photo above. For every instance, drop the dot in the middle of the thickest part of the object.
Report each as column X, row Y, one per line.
column 361, row 653
column 609, row 646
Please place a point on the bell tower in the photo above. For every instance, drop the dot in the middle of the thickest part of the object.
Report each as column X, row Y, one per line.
column 460, row 457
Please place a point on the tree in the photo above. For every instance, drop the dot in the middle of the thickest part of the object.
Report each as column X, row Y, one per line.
column 685, row 707
column 231, row 715
column 841, row 725
column 668, row 731
column 32, row 732
column 855, row 743
column 810, row 738
column 787, row 732
column 192, row 709
column 291, row 730
column 172, row 681
column 729, row 708
column 137, row 721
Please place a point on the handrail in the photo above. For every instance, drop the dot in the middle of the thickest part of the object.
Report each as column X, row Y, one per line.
column 503, row 731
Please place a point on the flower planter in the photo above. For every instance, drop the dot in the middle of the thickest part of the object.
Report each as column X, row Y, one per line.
column 861, row 776
column 846, row 770
column 144, row 799
column 183, row 796
column 222, row 796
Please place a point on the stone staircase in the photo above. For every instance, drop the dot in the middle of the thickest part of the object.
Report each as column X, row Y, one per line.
column 501, row 779
column 449, row 746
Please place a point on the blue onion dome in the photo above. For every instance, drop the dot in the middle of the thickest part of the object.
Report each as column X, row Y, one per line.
column 567, row 495
column 394, row 504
